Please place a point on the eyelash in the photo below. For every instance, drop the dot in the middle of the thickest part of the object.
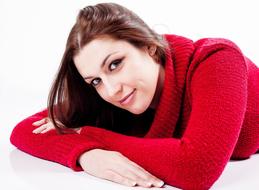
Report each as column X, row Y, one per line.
column 117, row 62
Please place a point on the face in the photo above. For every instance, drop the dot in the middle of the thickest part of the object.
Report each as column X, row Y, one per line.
column 122, row 74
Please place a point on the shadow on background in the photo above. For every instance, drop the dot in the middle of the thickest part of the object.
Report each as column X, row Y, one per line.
column 25, row 163
column 42, row 174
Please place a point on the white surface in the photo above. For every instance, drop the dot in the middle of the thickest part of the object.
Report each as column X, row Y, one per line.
column 22, row 171
column 32, row 40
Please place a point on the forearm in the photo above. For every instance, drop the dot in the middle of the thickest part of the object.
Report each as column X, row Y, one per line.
column 63, row 149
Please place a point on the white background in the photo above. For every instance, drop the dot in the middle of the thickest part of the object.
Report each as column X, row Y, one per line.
column 33, row 34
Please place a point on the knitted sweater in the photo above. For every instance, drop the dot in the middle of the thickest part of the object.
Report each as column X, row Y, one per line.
column 208, row 113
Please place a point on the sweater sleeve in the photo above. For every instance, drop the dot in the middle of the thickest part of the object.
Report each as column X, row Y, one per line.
column 64, row 149
column 218, row 96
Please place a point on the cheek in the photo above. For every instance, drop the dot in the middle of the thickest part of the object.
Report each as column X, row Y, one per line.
column 127, row 77
column 101, row 92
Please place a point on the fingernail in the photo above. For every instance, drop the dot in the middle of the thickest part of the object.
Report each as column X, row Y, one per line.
column 134, row 183
column 35, row 123
column 160, row 184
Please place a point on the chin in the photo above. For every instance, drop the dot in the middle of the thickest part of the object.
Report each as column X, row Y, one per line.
column 138, row 110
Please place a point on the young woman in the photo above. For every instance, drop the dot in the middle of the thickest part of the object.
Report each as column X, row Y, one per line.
column 139, row 108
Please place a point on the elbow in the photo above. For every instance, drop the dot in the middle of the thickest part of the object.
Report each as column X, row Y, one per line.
column 22, row 132
column 194, row 181
column 196, row 171
column 19, row 132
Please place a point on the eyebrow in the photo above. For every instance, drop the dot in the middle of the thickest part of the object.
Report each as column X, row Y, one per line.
column 103, row 64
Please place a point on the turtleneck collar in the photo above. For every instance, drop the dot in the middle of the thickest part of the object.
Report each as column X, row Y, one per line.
column 177, row 62
column 159, row 88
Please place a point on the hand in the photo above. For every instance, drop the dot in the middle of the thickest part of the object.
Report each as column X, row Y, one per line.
column 45, row 125
column 113, row 166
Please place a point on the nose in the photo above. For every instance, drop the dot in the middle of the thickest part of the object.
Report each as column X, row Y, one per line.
column 112, row 87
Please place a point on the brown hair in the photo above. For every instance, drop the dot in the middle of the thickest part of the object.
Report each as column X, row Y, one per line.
column 75, row 103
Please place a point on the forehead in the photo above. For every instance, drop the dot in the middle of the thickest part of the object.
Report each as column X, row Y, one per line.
column 96, row 50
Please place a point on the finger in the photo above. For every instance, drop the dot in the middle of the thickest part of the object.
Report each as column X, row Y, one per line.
column 41, row 128
column 134, row 172
column 46, row 130
column 131, row 174
column 40, row 122
column 117, row 178
column 144, row 174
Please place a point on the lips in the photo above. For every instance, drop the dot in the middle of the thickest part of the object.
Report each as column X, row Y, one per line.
column 125, row 98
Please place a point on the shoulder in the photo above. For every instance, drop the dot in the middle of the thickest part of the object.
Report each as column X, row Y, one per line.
column 206, row 47
column 215, row 61
column 201, row 49
column 217, row 55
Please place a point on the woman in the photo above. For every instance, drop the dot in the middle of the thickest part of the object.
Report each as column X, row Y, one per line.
column 139, row 108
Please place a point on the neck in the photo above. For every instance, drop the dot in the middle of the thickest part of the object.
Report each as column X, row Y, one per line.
column 159, row 88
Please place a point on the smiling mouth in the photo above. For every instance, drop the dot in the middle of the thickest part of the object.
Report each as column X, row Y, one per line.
column 126, row 99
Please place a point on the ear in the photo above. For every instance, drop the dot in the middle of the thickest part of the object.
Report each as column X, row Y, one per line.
column 152, row 50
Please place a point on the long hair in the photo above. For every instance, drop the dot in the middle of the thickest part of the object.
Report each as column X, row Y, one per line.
column 74, row 103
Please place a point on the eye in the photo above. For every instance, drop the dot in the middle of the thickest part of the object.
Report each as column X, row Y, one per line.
column 114, row 64
column 95, row 82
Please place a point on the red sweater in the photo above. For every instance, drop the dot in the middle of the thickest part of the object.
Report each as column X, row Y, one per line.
column 208, row 113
